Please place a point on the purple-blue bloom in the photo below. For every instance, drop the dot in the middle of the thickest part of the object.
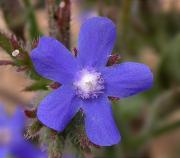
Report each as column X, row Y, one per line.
column 12, row 143
column 86, row 81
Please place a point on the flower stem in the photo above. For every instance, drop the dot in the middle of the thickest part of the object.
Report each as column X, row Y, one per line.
column 59, row 20
column 34, row 31
column 51, row 7
column 63, row 17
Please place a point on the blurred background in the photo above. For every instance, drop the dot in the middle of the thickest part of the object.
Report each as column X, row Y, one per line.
column 148, row 32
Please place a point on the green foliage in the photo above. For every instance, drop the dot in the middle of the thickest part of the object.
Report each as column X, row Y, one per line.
column 15, row 20
column 169, row 74
column 41, row 84
column 34, row 31
column 76, row 133
column 5, row 43
column 22, row 61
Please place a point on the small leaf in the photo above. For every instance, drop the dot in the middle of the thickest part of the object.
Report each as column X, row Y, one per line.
column 166, row 128
column 31, row 113
column 38, row 85
column 33, row 29
column 113, row 59
column 5, row 43
column 54, row 85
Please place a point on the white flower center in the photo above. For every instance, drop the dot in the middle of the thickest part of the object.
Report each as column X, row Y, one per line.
column 89, row 84
column 5, row 136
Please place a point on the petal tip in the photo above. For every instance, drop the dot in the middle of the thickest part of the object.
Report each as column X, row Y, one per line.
column 100, row 19
column 109, row 142
column 45, row 121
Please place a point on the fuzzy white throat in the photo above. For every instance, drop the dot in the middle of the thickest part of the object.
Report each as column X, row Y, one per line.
column 89, row 84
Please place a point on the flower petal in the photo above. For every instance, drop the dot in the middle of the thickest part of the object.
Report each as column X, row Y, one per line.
column 16, row 124
column 58, row 108
column 4, row 152
column 99, row 123
column 3, row 116
column 127, row 79
column 24, row 149
column 18, row 120
column 53, row 61
column 96, row 41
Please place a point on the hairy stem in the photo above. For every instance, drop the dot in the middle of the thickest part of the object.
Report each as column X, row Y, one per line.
column 63, row 17
column 51, row 7
column 33, row 29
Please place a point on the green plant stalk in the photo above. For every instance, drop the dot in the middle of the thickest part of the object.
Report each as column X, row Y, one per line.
column 34, row 31
column 63, row 19
column 52, row 7
column 158, row 131
column 13, row 16
column 124, row 23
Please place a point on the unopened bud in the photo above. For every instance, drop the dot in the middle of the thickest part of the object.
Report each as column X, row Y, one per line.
column 30, row 113
column 75, row 52
column 54, row 85
column 113, row 59
column 114, row 98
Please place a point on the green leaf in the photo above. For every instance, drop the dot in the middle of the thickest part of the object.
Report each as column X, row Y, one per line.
column 38, row 85
column 165, row 129
column 168, row 72
column 13, row 13
column 154, row 132
column 33, row 29
column 5, row 43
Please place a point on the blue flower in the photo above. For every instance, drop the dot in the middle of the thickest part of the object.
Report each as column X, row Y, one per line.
column 86, row 81
column 12, row 142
